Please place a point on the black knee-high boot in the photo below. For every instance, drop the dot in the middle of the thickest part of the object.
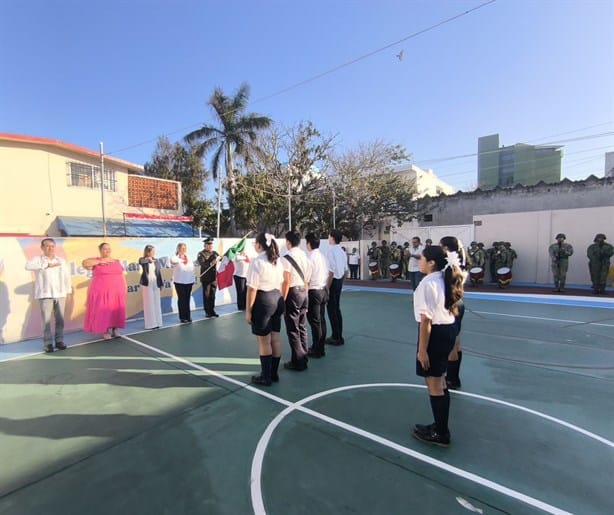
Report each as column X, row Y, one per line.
column 264, row 378
column 274, row 368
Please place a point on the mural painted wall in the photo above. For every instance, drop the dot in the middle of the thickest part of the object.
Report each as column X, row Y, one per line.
column 19, row 312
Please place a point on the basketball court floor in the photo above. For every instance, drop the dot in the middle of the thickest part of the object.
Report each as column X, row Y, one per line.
column 166, row 421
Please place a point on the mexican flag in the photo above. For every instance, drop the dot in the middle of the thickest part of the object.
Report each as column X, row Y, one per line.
column 227, row 267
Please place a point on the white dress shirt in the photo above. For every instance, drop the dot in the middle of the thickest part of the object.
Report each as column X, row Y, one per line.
column 183, row 273
column 50, row 283
column 303, row 263
column 337, row 261
column 319, row 270
column 414, row 263
column 430, row 299
column 241, row 264
column 264, row 275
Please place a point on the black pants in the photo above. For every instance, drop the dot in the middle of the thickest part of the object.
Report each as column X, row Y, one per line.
column 209, row 290
column 295, row 317
column 184, row 292
column 241, row 287
column 334, row 309
column 316, row 318
column 353, row 271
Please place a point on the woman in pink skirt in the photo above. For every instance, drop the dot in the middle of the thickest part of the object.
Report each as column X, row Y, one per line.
column 106, row 298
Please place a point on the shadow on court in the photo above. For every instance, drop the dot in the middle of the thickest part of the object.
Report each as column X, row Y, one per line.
column 165, row 422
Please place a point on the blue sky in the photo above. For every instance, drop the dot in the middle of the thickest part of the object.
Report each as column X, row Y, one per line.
column 126, row 72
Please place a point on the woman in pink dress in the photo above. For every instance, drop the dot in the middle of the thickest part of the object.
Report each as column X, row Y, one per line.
column 106, row 297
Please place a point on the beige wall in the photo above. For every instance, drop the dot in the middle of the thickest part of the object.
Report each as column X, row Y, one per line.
column 35, row 189
column 532, row 232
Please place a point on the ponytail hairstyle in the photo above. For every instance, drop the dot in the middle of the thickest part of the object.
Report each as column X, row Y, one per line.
column 269, row 245
column 453, row 276
column 453, row 244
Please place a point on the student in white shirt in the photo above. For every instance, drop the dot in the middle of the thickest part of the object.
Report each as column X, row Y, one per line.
column 297, row 272
column 413, row 265
column 51, row 287
column 265, row 305
column 435, row 305
column 317, row 296
column 337, row 268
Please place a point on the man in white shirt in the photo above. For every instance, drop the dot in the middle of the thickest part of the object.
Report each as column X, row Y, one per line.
column 51, row 287
column 317, row 296
column 337, row 268
column 297, row 272
column 413, row 266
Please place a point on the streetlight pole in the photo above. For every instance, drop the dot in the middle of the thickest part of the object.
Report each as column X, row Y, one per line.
column 104, row 218
column 334, row 210
column 289, row 199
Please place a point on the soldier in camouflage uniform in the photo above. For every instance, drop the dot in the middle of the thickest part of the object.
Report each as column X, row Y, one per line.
column 559, row 256
column 490, row 254
column 502, row 259
column 511, row 254
column 395, row 257
column 373, row 257
column 384, row 259
column 599, row 254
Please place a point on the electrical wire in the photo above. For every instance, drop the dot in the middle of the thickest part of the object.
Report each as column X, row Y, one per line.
column 324, row 73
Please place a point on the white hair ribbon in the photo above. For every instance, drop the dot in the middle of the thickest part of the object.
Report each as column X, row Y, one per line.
column 452, row 260
column 268, row 237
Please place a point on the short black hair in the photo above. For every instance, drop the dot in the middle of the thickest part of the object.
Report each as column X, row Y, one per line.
column 336, row 235
column 313, row 240
column 294, row 238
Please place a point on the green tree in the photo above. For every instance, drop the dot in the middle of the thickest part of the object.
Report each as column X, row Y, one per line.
column 174, row 161
column 233, row 137
column 366, row 189
column 286, row 163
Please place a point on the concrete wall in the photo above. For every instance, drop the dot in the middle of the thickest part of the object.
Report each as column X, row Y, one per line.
column 531, row 233
column 462, row 207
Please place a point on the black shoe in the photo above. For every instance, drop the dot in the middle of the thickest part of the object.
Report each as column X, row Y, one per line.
column 316, row 354
column 424, row 429
column 184, row 321
column 289, row 365
column 332, row 341
column 261, row 381
column 214, row 314
column 60, row 346
column 48, row 348
column 433, row 437
column 453, row 384
column 211, row 315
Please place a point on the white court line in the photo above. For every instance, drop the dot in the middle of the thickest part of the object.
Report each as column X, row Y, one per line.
column 257, row 501
column 540, row 318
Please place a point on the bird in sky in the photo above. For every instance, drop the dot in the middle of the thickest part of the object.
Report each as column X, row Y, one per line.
column 400, row 55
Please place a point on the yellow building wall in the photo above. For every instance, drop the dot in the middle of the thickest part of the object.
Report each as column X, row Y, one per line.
column 35, row 189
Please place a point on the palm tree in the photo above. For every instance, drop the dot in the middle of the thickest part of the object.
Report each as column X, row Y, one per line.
column 234, row 136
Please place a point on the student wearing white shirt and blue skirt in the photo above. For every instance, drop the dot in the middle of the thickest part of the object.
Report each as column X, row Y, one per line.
column 265, row 306
column 436, row 302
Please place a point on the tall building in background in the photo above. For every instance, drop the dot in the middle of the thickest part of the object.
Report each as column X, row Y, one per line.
column 424, row 181
column 516, row 164
column 609, row 164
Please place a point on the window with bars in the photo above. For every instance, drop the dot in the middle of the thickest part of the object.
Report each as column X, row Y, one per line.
column 88, row 176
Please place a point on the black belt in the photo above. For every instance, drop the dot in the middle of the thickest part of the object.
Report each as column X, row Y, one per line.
column 317, row 289
column 297, row 288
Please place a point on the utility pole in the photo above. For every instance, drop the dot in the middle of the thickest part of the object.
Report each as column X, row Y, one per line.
column 289, row 200
column 104, row 218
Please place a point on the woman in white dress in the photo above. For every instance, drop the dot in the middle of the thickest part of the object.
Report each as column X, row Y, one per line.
column 151, row 283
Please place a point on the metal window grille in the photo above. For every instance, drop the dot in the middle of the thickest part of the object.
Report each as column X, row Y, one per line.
column 88, row 176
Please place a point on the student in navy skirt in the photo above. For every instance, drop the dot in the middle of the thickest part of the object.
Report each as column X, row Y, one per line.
column 265, row 306
column 435, row 305
column 453, row 244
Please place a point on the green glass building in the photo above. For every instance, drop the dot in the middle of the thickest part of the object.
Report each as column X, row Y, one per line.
column 516, row 164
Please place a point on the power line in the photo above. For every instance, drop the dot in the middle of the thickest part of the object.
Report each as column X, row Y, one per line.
column 324, row 73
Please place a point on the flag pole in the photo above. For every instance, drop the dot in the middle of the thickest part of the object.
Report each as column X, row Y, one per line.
column 220, row 257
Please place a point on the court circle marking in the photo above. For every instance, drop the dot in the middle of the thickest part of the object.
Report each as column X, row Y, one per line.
column 258, row 459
